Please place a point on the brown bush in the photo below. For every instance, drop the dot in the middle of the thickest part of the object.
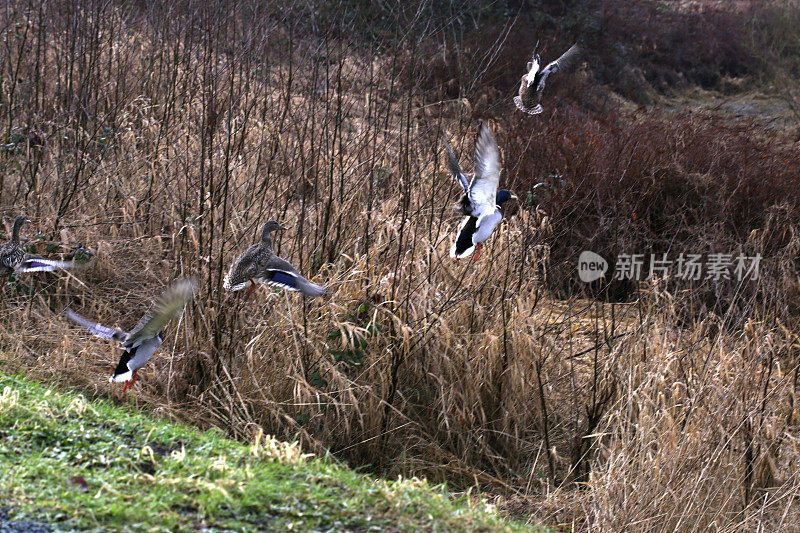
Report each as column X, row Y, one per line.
column 164, row 134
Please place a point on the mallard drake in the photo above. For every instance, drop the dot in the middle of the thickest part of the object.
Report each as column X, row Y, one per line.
column 140, row 343
column 481, row 200
column 532, row 85
column 14, row 257
column 259, row 263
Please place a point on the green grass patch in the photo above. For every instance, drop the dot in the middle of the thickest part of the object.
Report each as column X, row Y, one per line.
column 92, row 465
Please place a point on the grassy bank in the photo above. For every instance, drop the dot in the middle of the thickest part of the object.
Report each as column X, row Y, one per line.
column 95, row 465
column 161, row 136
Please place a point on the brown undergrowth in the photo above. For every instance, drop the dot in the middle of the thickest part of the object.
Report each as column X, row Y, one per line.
column 163, row 137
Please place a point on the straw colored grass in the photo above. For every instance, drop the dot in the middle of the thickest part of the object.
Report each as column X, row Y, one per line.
column 168, row 147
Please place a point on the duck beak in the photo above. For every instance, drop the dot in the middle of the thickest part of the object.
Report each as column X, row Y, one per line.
column 514, row 196
column 282, row 227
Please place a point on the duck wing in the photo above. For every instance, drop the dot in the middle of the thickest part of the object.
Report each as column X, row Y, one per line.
column 455, row 169
column 96, row 329
column 168, row 305
column 34, row 263
column 483, row 189
column 280, row 273
column 565, row 61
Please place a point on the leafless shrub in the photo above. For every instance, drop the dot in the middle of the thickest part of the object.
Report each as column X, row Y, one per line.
column 163, row 135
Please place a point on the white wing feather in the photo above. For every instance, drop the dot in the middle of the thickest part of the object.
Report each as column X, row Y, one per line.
column 483, row 189
column 563, row 62
column 96, row 329
column 33, row 263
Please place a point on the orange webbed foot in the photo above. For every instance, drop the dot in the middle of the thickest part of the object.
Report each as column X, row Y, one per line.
column 251, row 289
column 477, row 252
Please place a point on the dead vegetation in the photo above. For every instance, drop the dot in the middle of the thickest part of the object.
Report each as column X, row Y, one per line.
column 163, row 136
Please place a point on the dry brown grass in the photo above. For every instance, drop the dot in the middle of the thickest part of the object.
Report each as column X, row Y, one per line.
column 163, row 139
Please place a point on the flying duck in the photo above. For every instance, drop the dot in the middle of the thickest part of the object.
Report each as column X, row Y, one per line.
column 14, row 257
column 259, row 263
column 140, row 343
column 481, row 200
column 532, row 85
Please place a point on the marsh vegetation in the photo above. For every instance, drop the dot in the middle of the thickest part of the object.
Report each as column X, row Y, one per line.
column 162, row 136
